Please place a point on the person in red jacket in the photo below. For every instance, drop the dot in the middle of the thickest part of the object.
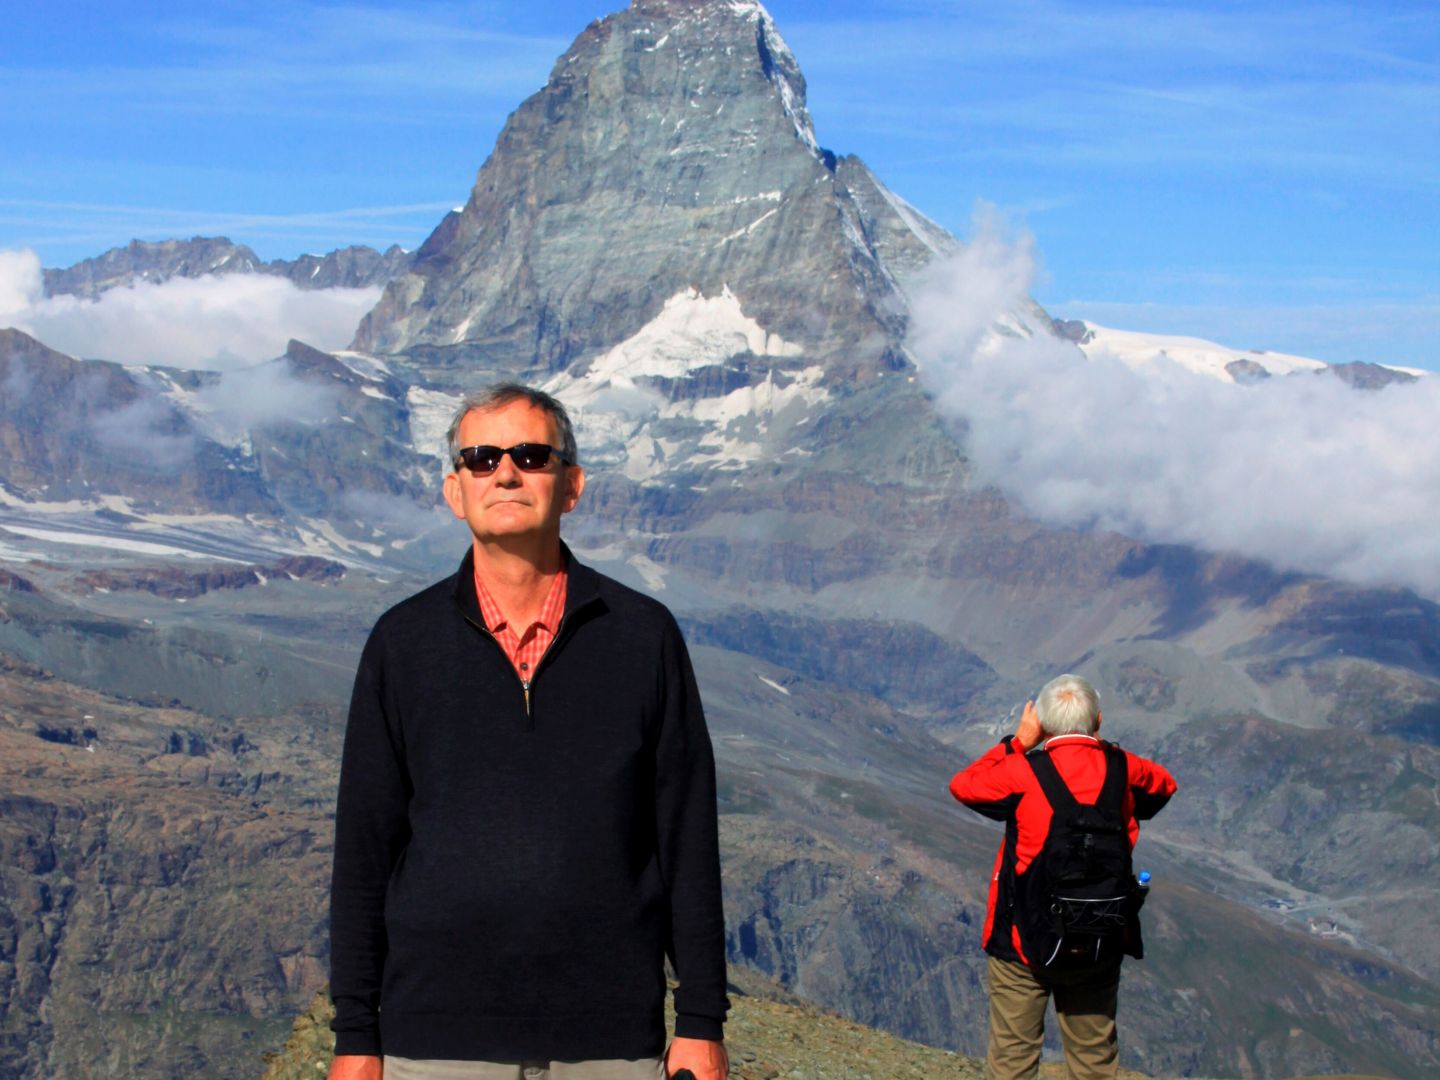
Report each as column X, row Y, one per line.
column 1063, row 720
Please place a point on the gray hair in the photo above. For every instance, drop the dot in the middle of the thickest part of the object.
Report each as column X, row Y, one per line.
column 1068, row 704
column 502, row 394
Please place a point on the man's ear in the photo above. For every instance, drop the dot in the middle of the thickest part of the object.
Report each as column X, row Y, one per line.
column 574, row 485
column 1098, row 718
column 452, row 495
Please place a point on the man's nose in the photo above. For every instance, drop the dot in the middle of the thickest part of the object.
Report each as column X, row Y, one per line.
column 506, row 474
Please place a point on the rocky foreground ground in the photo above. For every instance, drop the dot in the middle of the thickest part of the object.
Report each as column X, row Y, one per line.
column 767, row 1040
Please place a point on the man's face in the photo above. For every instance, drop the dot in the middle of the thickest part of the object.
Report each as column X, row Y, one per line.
column 511, row 503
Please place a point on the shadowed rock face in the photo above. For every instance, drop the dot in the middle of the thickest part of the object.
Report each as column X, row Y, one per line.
column 1365, row 376
column 82, row 429
column 682, row 127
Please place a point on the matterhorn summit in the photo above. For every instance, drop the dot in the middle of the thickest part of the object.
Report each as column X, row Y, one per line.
column 670, row 159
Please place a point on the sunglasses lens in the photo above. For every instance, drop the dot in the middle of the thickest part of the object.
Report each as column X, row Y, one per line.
column 481, row 459
column 530, row 456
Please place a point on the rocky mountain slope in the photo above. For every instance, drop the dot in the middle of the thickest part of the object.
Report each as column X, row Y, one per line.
column 351, row 267
column 660, row 239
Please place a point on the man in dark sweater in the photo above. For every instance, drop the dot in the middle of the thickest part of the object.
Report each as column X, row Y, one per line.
column 526, row 824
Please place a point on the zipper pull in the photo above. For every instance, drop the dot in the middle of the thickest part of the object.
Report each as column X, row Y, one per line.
column 525, row 685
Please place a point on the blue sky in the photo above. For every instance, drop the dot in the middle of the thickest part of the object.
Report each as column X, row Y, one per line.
column 1264, row 175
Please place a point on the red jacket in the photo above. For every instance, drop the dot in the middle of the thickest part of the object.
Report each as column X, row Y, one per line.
column 1002, row 786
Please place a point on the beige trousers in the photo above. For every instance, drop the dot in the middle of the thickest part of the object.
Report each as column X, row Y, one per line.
column 1085, row 1008
column 398, row 1068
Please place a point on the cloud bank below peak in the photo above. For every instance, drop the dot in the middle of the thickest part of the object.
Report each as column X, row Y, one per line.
column 215, row 323
column 1301, row 472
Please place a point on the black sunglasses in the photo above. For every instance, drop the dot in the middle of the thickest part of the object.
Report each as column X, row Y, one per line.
column 528, row 457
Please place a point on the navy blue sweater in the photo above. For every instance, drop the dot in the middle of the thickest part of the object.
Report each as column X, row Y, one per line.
column 508, row 874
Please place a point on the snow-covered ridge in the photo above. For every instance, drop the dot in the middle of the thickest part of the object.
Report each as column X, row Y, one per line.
column 933, row 236
column 784, row 68
column 1140, row 350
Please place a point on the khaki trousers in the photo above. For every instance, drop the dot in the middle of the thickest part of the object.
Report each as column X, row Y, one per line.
column 398, row 1068
column 1085, row 1007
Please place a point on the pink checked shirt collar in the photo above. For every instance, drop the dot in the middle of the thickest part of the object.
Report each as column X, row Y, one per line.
column 525, row 650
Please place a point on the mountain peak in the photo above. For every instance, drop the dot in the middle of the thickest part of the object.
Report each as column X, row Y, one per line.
column 776, row 60
column 670, row 151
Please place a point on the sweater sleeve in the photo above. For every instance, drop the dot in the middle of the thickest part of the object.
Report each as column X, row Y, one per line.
column 987, row 785
column 689, row 848
column 371, row 830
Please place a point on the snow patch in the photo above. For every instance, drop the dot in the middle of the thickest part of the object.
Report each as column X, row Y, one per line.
column 764, row 196
column 110, row 542
column 651, row 572
column 363, row 364
column 748, row 229
column 772, row 684
column 430, row 414
column 322, row 539
column 692, row 331
column 628, row 425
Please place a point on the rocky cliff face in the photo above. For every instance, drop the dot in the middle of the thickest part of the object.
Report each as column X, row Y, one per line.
column 157, row 899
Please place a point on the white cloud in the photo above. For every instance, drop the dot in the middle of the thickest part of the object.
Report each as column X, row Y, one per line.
column 251, row 397
column 209, row 322
column 1302, row 471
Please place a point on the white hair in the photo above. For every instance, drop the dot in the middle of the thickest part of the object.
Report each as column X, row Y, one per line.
column 1068, row 704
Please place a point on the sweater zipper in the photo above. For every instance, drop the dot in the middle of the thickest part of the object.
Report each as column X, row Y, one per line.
column 525, row 684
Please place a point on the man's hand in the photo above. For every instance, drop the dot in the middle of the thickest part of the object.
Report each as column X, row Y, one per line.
column 357, row 1067
column 706, row 1059
column 1029, row 735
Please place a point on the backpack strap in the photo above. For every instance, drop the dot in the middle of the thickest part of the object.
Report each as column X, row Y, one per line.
column 1060, row 797
column 1056, row 793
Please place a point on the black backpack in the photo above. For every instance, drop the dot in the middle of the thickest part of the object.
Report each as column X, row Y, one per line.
column 1077, row 904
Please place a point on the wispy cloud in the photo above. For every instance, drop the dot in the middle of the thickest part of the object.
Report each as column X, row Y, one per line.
column 1302, row 472
column 257, row 107
column 76, row 223
column 315, row 59
column 246, row 398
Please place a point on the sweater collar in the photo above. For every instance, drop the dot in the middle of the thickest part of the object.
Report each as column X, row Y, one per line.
column 582, row 589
